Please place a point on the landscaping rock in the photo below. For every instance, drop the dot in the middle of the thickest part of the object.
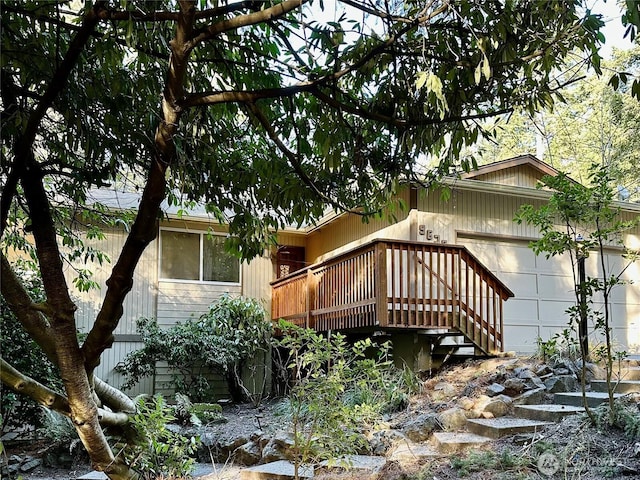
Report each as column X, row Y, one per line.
column 466, row 403
column 452, row 418
column 561, row 383
column 443, row 391
column 514, row 386
column 531, row 397
column 497, row 407
column 247, row 454
column 277, row 448
column 30, row 463
column 495, row 389
column 420, row 428
column 381, row 441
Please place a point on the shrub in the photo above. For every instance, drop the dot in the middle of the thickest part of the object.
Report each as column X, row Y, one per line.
column 157, row 452
column 338, row 391
column 220, row 341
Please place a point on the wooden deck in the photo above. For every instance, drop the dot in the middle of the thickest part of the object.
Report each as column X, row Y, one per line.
column 391, row 285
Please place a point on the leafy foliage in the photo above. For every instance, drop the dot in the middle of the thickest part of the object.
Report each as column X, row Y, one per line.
column 575, row 221
column 221, row 341
column 19, row 349
column 339, row 390
column 157, row 452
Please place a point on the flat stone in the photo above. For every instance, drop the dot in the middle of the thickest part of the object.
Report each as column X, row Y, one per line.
column 30, row 465
column 412, row 452
column 630, row 373
column 575, row 398
column 280, row 470
column 451, row 442
column 94, row 475
column 625, row 386
column 364, row 463
column 531, row 397
column 547, row 412
column 503, row 426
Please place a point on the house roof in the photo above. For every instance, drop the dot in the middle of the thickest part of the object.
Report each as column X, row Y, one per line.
column 527, row 160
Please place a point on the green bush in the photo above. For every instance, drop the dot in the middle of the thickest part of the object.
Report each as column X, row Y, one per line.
column 157, row 452
column 26, row 356
column 338, row 392
column 220, row 341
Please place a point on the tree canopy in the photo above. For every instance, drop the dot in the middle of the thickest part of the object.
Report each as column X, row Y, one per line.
column 266, row 111
column 595, row 124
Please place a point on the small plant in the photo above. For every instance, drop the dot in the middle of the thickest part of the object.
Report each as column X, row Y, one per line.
column 476, row 461
column 188, row 413
column 338, row 391
column 579, row 220
column 155, row 451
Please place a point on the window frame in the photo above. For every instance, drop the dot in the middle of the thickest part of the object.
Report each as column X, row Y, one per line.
column 201, row 234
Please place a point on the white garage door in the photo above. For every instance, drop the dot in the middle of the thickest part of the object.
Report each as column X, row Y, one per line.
column 543, row 291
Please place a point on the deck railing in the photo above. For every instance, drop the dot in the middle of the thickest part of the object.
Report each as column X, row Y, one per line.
column 392, row 284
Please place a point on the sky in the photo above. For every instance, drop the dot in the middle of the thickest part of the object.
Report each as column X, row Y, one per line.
column 613, row 29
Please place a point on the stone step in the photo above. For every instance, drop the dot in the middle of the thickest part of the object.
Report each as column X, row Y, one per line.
column 503, row 426
column 280, row 470
column 363, row 464
column 546, row 413
column 409, row 452
column 575, row 398
column 628, row 373
column 625, row 386
column 452, row 442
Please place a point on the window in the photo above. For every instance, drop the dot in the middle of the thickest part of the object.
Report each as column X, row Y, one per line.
column 198, row 257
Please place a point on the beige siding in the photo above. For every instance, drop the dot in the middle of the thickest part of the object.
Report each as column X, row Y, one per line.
column 520, row 176
column 140, row 302
column 178, row 301
column 349, row 230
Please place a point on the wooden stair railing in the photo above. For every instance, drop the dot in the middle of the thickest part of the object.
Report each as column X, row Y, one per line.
column 394, row 284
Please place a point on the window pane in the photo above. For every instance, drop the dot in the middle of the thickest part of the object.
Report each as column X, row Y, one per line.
column 218, row 265
column 180, row 256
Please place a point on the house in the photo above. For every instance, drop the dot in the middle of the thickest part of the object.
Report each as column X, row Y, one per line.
column 443, row 277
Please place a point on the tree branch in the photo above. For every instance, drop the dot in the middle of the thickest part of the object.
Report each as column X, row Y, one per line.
column 254, row 18
column 24, row 385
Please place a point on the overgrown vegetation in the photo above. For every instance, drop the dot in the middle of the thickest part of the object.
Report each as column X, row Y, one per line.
column 338, row 391
column 579, row 220
column 155, row 451
column 221, row 341
column 506, row 464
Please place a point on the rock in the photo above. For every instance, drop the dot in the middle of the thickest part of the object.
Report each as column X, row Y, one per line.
column 531, row 397
column 495, row 389
column 534, row 382
column 452, row 418
column 466, row 403
column 30, row 464
column 419, row 428
column 247, row 454
column 561, row 371
column 382, row 441
column 543, row 370
column 278, row 448
column 526, row 374
column 497, row 408
column 514, row 386
column 443, row 391
column 562, row 383
column 487, row 415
